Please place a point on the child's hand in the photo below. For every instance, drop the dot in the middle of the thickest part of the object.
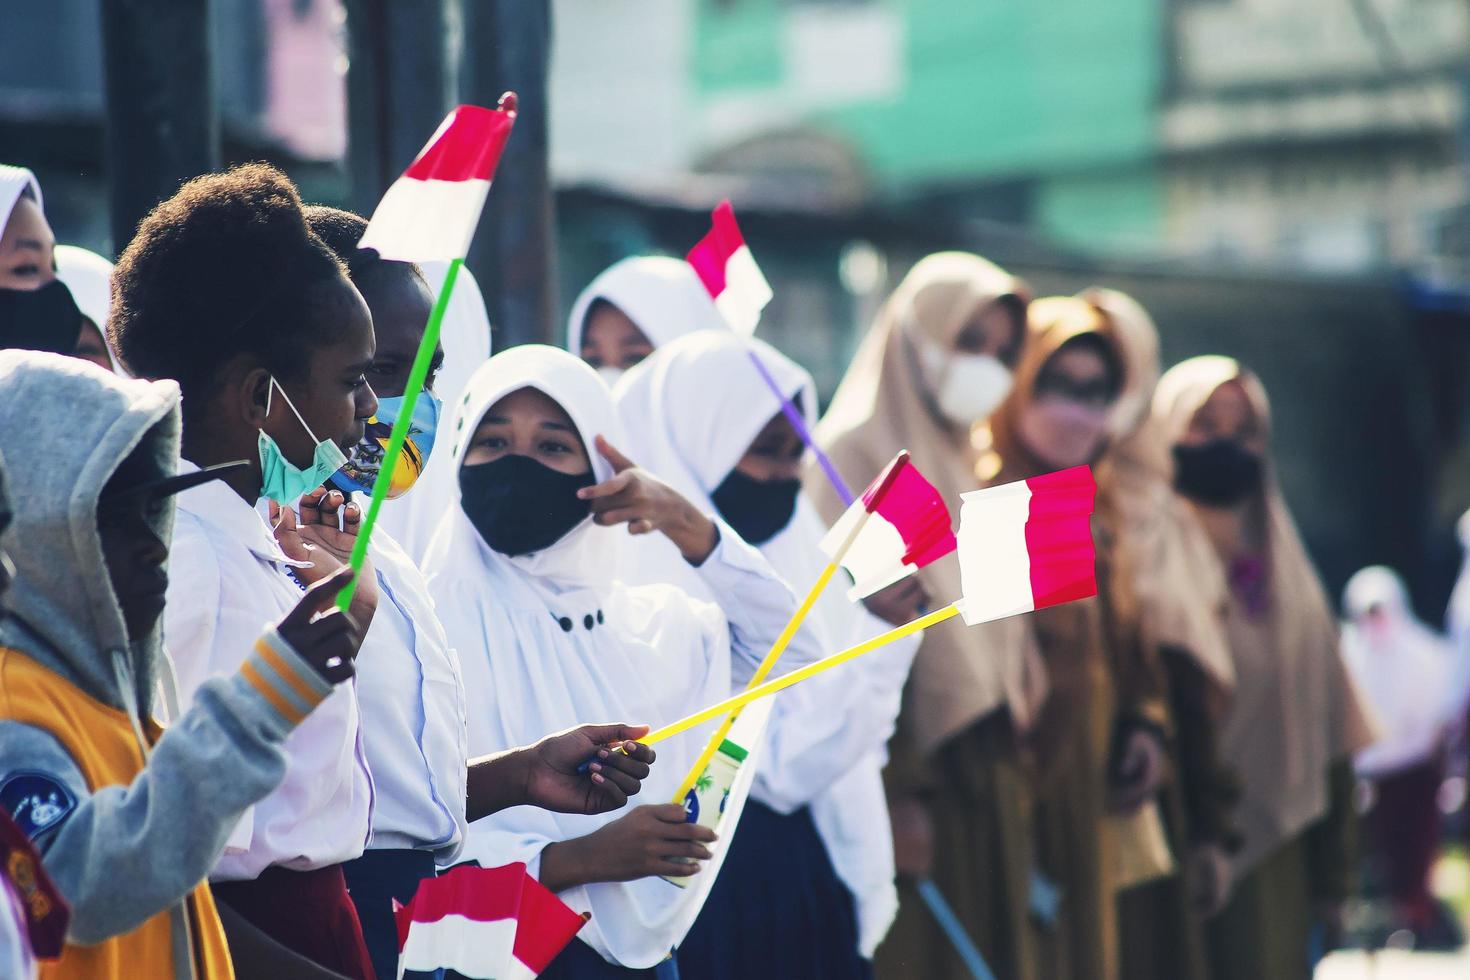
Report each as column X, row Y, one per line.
column 322, row 634
column 636, row 498
column 648, row 841
column 320, row 543
column 556, row 779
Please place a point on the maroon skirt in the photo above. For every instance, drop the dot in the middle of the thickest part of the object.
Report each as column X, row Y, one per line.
column 308, row 912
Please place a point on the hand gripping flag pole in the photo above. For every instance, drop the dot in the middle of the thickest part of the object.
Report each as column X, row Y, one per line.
column 728, row 271
column 1022, row 546
column 431, row 213
column 899, row 525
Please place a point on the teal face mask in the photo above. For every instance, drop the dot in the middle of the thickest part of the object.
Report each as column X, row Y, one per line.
column 279, row 479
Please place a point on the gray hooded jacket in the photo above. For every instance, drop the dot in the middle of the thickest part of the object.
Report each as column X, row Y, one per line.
column 119, row 854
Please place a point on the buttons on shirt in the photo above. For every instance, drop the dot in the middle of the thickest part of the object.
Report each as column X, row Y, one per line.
column 589, row 621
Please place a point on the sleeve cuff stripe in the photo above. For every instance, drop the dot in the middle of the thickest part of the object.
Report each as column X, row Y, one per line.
column 268, row 691
column 293, row 679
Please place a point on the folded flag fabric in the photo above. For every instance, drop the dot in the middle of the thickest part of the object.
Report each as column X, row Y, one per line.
column 724, row 264
column 432, row 210
column 483, row 923
column 905, row 526
column 1027, row 545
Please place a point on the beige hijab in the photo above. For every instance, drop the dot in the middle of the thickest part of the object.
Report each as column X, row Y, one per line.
column 1296, row 711
column 1158, row 547
column 884, row 405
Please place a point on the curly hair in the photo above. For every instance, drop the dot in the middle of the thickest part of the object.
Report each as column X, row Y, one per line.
column 227, row 266
column 342, row 230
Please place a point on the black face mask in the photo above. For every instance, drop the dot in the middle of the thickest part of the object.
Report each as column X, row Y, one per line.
column 40, row 319
column 519, row 505
column 1217, row 474
column 756, row 509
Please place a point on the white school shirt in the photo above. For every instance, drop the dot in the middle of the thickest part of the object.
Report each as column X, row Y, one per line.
column 229, row 583
column 413, row 711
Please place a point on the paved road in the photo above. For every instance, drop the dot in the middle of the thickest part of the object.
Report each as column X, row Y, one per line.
column 1391, row 965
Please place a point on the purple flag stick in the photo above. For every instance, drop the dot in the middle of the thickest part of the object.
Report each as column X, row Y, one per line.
column 798, row 422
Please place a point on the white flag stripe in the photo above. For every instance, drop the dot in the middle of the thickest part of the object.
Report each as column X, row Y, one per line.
column 995, row 567
column 425, row 220
column 472, row 947
column 746, row 292
column 875, row 559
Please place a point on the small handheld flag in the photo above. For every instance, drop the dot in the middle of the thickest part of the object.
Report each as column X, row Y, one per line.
column 901, row 499
column 498, row 923
column 901, row 527
column 1053, row 563
column 431, row 213
column 432, row 210
column 1027, row 545
column 728, row 271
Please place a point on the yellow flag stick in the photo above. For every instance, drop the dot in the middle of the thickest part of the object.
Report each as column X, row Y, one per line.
column 735, row 703
column 886, row 478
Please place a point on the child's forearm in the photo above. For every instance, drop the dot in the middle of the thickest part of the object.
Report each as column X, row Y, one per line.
column 496, row 782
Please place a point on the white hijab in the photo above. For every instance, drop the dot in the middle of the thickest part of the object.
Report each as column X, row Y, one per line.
column 89, row 278
column 662, row 295
column 465, row 337
column 691, row 411
column 638, row 654
column 1402, row 667
column 15, row 182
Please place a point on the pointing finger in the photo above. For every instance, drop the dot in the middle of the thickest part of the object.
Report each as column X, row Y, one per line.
column 614, row 456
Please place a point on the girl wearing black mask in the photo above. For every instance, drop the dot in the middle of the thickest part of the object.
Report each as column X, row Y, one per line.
column 1295, row 719
column 36, row 309
column 811, row 871
column 528, row 572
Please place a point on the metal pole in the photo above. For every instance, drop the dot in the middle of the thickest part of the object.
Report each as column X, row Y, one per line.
column 161, row 123
column 400, row 84
column 507, row 46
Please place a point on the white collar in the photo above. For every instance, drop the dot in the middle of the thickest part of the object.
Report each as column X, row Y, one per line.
column 215, row 504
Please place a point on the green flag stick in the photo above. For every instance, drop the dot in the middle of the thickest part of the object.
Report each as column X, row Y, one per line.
column 417, row 376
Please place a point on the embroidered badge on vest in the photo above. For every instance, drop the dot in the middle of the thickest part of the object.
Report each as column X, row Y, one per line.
column 36, row 801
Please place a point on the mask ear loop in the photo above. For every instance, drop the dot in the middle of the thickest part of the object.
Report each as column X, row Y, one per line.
column 287, row 399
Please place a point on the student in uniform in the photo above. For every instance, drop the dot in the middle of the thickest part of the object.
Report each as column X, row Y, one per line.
column 129, row 819
column 410, row 690
column 635, row 306
column 36, row 310
column 1296, row 718
column 810, row 872
column 226, row 290
column 528, row 572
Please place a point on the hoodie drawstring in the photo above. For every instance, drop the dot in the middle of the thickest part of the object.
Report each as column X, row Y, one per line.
column 123, row 674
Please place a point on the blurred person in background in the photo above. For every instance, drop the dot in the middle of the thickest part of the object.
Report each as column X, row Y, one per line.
column 37, row 311
column 937, row 361
column 1403, row 668
column 635, row 306
column 1094, row 749
column 1158, row 552
column 1296, row 718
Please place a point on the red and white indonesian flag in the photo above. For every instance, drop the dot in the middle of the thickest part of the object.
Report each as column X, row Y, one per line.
column 431, row 211
column 724, row 264
column 905, row 526
column 1027, row 545
column 485, row 923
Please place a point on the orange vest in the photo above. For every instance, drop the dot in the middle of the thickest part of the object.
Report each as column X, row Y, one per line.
column 100, row 740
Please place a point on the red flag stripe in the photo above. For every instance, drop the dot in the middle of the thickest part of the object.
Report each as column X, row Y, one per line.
column 547, row 925
column 710, row 254
column 1059, row 536
column 467, row 146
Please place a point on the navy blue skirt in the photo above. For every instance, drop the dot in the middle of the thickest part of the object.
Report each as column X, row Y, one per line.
column 581, row 962
column 778, row 911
